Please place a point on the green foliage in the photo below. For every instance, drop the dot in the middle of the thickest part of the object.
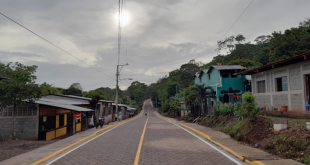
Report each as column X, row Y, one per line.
column 307, row 159
column 74, row 89
column 288, row 146
column 243, row 62
column 223, row 109
column 49, row 89
column 248, row 108
column 19, row 88
column 292, row 42
column 237, row 131
column 268, row 48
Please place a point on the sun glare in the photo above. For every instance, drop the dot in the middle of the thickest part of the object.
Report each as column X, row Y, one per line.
column 124, row 18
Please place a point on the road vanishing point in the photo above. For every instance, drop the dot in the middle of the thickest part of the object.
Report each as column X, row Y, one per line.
column 146, row 140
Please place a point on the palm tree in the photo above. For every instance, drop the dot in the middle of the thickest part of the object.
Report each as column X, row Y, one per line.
column 198, row 94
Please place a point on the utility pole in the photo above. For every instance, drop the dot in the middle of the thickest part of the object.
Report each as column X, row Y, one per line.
column 116, row 101
column 116, row 95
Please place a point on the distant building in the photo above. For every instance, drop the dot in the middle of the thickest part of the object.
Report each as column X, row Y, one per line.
column 224, row 81
column 42, row 120
column 283, row 83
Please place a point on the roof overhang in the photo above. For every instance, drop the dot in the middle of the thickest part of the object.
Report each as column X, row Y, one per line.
column 289, row 61
column 63, row 106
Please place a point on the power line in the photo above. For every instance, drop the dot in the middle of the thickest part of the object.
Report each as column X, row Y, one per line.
column 237, row 19
column 234, row 22
column 53, row 44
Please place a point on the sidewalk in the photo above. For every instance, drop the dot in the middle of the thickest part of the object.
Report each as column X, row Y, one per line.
column 249, row 153
column 39, row 153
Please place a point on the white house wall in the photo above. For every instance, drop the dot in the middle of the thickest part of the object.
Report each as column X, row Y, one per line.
column 294, row 98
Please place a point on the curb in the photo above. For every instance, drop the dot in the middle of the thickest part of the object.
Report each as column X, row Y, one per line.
column 79, row 142
column 214, row 142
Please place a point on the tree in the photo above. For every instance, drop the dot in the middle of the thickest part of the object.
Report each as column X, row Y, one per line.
column 19, row 88
column 243, row 62
column 49, row 89
column 198, row 94
column 239, row 38
column 263, row 39
column 292, row 42
column 75, row 89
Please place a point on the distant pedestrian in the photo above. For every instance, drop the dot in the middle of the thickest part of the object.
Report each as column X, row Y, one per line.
column 120, row 116
column 115, row 117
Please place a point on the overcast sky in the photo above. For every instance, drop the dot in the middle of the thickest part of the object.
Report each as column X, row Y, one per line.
column 158, row 36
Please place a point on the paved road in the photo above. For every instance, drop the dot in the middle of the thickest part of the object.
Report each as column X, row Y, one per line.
column 163, row 143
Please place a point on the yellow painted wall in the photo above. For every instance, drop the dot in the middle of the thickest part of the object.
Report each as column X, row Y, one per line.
column 57, row 121
column 62, row 111
column 50, row 135
column 61, row 131
column 78, row 127
column 65, row 122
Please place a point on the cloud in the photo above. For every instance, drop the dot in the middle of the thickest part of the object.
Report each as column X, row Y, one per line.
column 161, row 35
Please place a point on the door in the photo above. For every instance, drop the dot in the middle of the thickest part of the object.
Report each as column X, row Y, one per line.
column 69, row 124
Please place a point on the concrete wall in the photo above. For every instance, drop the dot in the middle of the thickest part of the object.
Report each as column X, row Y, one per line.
column 26, row 127
column 295, row 98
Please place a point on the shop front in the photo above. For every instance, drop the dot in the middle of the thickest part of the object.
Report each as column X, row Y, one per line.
column 56, row 120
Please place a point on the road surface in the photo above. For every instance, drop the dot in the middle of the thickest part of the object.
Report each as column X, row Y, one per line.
column 161, row 142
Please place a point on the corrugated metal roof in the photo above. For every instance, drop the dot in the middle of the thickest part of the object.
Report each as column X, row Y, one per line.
column 86, row 98
column 228, row 67
column 63, row 106
column 107, row 101
column 120, row 105
column 63, row 101
column 78, row 97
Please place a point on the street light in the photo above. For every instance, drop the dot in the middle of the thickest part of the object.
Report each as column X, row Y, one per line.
column 117, row 77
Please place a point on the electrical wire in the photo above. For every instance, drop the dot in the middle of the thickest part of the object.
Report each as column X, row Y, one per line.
column 53, row 44
column 234, row 22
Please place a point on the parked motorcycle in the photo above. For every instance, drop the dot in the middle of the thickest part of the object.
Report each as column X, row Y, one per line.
column 101, row 122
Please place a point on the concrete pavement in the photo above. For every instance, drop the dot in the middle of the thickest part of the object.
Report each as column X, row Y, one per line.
column 249, row 153
column 163, row 143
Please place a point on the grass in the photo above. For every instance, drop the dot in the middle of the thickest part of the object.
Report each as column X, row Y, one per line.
column 289, row 146
column 307, row 159
column 291, row 122
column 236, row 130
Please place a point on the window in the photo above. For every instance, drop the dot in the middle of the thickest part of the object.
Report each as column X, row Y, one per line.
column 233, row 75
column 281, row 84
column 261, row 87
column 50, row 123
column 209, row 76
column 61, row 120
column 225, row 75
column 200, row 79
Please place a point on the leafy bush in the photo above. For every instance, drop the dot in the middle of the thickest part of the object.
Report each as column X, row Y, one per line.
column 236, row 131
column 248, row 108
column 165, row 107
column 289, row 146
column 223, row 109
column 307, row 159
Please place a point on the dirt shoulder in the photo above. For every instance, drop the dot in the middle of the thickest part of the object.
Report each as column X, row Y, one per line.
column 13, row 148
column 293, row 143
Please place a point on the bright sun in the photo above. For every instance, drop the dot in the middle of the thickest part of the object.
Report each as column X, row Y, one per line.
column 124, row 18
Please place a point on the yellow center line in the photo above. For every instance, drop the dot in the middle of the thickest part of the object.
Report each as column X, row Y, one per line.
column 141, row 141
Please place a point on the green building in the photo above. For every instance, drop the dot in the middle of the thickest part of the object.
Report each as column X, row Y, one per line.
column 225, row 82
